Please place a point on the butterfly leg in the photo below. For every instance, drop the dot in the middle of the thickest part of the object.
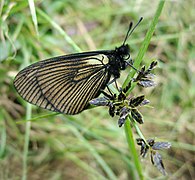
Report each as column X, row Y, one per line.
column 113, row 80
column 130, row 63
column 107, row 95
column 116, row 85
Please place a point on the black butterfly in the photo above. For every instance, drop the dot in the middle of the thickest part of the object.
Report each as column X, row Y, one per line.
column 67, row 83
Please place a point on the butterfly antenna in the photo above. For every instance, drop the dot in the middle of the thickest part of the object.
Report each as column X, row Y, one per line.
column 130, row 30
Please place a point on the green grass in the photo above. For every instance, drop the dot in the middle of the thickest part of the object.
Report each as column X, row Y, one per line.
column 90, row 145
column 137, row 63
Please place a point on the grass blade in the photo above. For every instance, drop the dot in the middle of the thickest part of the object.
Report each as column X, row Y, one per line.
column 26, row 142
column 144, row 45
column 67, row 38
column 34, row 16
column 138, row 59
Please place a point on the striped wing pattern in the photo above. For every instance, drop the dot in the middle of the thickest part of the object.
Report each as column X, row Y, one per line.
column 61, row 84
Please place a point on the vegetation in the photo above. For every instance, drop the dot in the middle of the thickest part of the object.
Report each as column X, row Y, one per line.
column 38, row 144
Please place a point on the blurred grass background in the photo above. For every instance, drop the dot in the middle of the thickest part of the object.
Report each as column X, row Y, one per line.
column 90, row 145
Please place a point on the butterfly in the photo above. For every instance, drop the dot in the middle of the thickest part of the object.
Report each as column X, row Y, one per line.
column 67, row 83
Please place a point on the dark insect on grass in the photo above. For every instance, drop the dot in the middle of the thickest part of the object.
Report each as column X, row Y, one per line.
column 67, row 83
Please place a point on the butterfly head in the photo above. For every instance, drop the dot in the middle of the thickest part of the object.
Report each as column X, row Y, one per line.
column 122, row 54
column 124, row 50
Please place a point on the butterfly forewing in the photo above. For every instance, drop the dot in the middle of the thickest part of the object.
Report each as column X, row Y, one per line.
column 64, row 84
column 27, row 86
